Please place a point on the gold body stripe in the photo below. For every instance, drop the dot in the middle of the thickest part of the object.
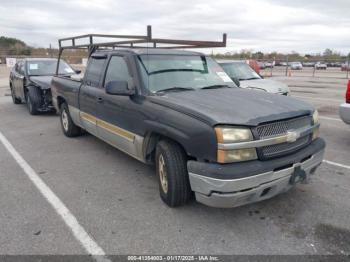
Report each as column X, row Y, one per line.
column 115, row 130
column 88, row 117
column 107, row 126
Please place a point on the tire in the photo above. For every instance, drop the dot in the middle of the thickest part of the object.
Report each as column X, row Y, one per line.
column 68, row 127
column 171, row 169
column 34, row 100
column 15, row 100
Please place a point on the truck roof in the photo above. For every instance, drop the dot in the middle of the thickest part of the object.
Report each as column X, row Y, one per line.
column 150, row 51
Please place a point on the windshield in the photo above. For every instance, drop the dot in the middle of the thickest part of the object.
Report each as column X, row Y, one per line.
column 241, row 71
column 47, row 67
column 180, row 72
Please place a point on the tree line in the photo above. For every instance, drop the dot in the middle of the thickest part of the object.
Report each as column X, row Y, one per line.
column 16, row 47
column 327, row 55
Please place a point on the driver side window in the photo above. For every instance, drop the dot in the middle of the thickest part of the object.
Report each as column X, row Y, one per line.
column 118, row 71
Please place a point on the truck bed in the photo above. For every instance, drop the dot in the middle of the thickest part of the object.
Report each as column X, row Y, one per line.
column 67, row 88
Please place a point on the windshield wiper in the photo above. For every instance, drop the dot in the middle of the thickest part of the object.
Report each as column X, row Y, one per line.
column 215, row 86
column 175, row 88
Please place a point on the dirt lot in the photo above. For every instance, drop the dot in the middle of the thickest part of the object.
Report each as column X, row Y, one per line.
column 115, row 198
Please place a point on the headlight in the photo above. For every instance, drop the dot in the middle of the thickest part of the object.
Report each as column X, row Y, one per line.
column 315, row 120
column 233, row 135
column 237, row 155
column 227, row 135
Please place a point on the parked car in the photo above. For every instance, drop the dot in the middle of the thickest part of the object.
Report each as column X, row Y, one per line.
column 268, row 65
column 334, row 64
column 254, row 65
column 308, row 64
column 345, row 67
column 262, row 65
column 283, row 63
column 296, row 66
column 320, row 66
column 245, row 77
column 180, row 111
column 344, row 109
column 30, row 80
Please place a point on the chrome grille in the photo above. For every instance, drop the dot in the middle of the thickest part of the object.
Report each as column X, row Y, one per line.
column 284, row 148
column 281, row 128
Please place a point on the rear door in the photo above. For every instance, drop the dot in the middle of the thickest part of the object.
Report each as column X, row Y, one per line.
column 89, row 93
column 13, row 77
column 15, row 80
column 20, row 81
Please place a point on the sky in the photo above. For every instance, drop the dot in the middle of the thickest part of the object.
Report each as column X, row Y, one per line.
column 304, row 26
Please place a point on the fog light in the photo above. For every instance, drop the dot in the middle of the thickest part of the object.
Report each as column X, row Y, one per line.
column 315, row 133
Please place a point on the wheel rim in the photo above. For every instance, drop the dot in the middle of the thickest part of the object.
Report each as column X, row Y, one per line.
column 64, row 118
column 163, row 174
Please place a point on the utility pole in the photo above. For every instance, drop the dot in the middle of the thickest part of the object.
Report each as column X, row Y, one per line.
column 50, row 52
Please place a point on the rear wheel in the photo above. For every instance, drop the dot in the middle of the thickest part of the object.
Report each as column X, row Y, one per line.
column 68, row 127
column 171, row 169
column 34, row 100
column 15, row 100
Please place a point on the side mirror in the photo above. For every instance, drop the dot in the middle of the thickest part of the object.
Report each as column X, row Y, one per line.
column 236, row 81
column 119, row 88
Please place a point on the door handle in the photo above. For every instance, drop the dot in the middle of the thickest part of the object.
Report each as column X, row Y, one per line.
column 99, row 100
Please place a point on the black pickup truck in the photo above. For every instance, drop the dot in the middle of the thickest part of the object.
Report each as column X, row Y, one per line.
column 179, row 110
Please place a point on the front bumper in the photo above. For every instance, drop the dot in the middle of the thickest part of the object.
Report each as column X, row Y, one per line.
column 246, row 188
column 344, row 112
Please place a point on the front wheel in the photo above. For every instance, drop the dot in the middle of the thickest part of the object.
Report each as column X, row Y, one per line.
column 68, row 127
column 171, row 169
column 34, row 100
column 15, row 100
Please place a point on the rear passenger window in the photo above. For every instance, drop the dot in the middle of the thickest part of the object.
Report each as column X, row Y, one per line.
column 94, row 71
column 117, row 70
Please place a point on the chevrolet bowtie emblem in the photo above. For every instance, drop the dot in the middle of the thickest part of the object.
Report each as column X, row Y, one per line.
column 292, row 136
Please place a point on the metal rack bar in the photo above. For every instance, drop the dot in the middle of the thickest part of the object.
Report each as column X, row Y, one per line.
column 137, row 39
column 92, row 45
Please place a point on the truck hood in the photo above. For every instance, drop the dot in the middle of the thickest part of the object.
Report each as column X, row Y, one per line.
column 268, row 85
column 233, row 106
column 42, row 81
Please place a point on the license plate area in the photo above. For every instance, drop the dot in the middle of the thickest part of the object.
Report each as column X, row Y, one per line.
column 298, row 175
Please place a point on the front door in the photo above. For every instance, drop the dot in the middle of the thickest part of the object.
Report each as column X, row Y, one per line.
column 119, row 116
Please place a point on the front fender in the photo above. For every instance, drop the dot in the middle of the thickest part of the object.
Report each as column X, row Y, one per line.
column 197, row 138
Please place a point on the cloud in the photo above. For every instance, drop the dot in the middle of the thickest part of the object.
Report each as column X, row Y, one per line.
column 266, row 25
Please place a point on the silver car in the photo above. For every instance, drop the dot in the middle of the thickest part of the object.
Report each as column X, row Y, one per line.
column 344, row 109
column 296, row 66
column 320, row 66
column 244, row 76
